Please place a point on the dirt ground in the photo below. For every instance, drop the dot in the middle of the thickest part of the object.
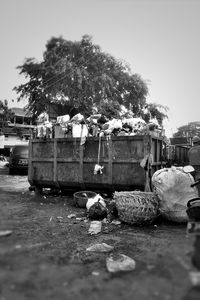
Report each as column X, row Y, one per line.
column 45, row 256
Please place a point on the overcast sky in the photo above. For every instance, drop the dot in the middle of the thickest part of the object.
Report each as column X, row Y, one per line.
column 159, row 39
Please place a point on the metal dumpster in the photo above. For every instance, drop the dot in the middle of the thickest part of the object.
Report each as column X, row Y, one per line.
column 66, row 164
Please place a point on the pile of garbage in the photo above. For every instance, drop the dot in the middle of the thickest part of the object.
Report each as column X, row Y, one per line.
column 93, row 126
column 171, row 191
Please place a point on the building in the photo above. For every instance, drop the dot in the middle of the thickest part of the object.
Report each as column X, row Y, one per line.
column 18, row 130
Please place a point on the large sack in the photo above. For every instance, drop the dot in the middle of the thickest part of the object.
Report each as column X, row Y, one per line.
column 173, row 188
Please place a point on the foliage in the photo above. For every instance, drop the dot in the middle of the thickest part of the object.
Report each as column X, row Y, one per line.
column 79, row 75
column 81, row 78
column 155, row 111
column 7, row 113
column 189, row 130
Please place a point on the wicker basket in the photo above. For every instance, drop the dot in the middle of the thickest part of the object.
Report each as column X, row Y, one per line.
column 136, row 207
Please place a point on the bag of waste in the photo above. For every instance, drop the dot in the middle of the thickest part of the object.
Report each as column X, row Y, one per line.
column 173, row 188
column 97, row 211
column 120, row 263
column 96, row 208
column 94, row 199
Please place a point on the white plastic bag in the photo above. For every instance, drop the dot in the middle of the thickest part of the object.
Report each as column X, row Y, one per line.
column 173, row 188
column 93, row 200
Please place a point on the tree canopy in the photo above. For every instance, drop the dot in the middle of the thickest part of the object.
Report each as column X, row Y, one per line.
column 7, row 113
column 189, row 130
column 82, row 78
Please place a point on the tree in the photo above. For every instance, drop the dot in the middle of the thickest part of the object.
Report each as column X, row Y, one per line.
column 157, row 111
column 189, row 130
column 80, row 76
column 7, row 113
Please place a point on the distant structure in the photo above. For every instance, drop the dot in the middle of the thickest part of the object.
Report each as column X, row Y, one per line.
column 18, row 130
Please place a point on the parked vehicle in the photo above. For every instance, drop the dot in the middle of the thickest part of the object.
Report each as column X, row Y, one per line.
column 3, row 162
column 18, row 160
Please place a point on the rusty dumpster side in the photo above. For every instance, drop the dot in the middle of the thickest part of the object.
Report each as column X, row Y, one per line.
column 66, row 164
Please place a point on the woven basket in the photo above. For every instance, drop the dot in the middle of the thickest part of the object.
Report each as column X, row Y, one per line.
column 136, row 207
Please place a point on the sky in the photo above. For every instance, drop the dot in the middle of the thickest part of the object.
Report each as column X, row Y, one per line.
column 159, row 39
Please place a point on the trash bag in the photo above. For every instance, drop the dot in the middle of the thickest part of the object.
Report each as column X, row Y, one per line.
column 173, row 188
column 94, row 199
column 97, row 211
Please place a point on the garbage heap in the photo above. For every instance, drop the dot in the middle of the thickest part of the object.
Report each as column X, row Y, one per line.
column 93, row 126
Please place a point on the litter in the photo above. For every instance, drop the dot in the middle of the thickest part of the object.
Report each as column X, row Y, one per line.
column 95, row 227
column 116, row 222
column 195, row 278
column 103, row 247
column 95, row 273
column 71, row 216
column 5, row 232
column 173, row 187
column 122, row 263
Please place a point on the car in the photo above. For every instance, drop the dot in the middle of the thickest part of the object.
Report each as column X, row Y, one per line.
column 18, row 161
column 3, row 162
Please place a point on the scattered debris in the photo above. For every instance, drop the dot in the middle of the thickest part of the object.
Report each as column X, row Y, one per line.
column 71, row 216
column 102, row 247
column 195, row 278
column 95, row 273
column 121, row 263
column 80, row 219
column 18, row 246
column 5, row 232
column 116, row 222
column 95, row 227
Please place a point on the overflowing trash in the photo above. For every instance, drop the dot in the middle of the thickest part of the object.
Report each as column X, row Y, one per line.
column 95, row 125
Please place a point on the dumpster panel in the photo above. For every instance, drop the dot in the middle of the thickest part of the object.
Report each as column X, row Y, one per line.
column 128, row 174
column 43, row 149
column 68, row 149
column 68, row 172
column 92, row 148
column 43, row 171
column 66, row 163
column 127, row 149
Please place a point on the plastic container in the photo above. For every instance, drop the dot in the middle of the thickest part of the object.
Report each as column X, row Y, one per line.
column 79, row 130
column 81, row 198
